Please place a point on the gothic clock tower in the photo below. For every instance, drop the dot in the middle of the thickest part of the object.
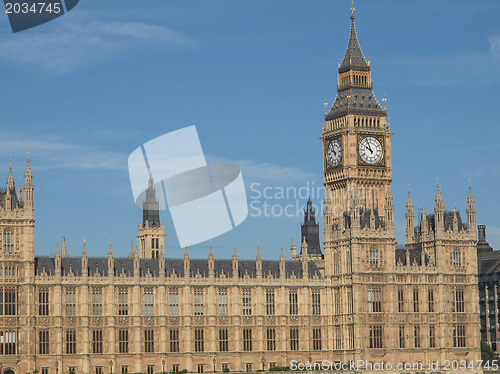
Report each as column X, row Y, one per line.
column 359, row 216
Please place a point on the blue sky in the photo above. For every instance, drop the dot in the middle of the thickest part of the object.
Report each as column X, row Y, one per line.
column 83, row 91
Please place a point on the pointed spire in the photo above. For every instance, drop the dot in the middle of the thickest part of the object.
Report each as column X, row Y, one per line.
column 58, row 252
column 64, row 253
column 470, row 198
column 235, row 255
column 84, row 252
column 28, row 172
column 11, row 183
column 354, row 55
column 259, row 257
column 282, row 255
column 110, row 253
column 131, row 253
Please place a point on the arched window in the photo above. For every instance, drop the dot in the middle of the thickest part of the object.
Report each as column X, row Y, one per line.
column 8, row 241
column 373, row 257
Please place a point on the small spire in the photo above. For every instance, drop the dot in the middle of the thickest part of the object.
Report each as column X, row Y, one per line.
column 110, row 253
column 64, row 253
column 57, row 250
column 186, row 254
column 352, row 10
column 437, row 181
column 84, row 252
column 470, row 189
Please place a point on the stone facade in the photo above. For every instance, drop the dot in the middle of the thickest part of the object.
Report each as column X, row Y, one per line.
column 363, row 299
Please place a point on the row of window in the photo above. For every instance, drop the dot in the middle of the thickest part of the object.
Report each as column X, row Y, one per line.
column 457, row 301
column 8, row 241
column 376, row 336
column 123, row 303
column 174, row 346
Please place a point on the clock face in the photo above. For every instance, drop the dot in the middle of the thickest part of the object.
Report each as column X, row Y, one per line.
column 370, row 150
column 334, row 152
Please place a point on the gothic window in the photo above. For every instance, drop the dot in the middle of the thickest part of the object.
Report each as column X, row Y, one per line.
column 316, row 339
column 198, row 303
column 350, row 332
column 374, row 300
column 294, row 308
column 270, row 303
column 338, row 338
column 43, row 302
column 401, row 300
column 97, row 302
column 8, row 241
column 401, row 336
column 294, row 339
column 97, row 341
column 148, row 303
column 337, row 300
column 247, row 303
column 123, row 302
column 417, row 336
column 375, row 336
column 457, row 301
column 373, row 257
column 459, row 336
column 247, row 340
column 149, row 341
column 198, row 340
column 70, row 341
column 123, row 341
column 431, row 300
column 415, row 300
column 70, row 302
column 8, row 343
column 271, row 339
column 432, row 336
column 223, row 340
column 174, row 303
column 316, row 303
column 43, row 342
column 350, row 306
column 223, row 303
column 457, row 258
column 174, row 340
column 8, row 301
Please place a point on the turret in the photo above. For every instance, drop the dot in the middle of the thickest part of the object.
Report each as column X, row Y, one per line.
column 64, row 252
column 282, row 263
column 11, row 183
column 187, row 264
column 304, row 247
column 19, row 194
column 471, row 214
column 423, row 222
column 111, row 262
column 28, row 187
column 234, row 263
column 137, row 265
column 389, row 208
column 455, row 219
column 211, row 263
column 439, row 210
column 84, row 259
column 258, row 263
column 293, row 250
column 57, row 260
column 410, row 220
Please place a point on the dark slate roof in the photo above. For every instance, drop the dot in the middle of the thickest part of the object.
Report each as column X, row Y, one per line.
column 488, row 263
column 13, row 198
column 357, row 101
column 448, row 221
column 365, row 219
column 151, row 266
column 354, row 58
column 415, row 255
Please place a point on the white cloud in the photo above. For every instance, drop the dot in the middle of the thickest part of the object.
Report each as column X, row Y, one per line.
column 55, row 152
column 75, row 46
column 495, row 45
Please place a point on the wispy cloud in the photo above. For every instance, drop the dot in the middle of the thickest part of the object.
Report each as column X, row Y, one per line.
column 75, row 46
column 56, row 152
column 254, row 171
column 495, row 45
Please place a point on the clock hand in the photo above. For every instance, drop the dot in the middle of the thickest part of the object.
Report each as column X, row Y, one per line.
column 369, row 149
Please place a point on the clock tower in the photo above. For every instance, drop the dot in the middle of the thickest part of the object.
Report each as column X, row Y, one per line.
column 359, row 216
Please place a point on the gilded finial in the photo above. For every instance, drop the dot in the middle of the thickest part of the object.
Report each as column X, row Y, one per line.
column 352, row 10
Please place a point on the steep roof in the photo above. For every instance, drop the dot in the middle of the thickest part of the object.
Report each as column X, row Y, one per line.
column 354, row 58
